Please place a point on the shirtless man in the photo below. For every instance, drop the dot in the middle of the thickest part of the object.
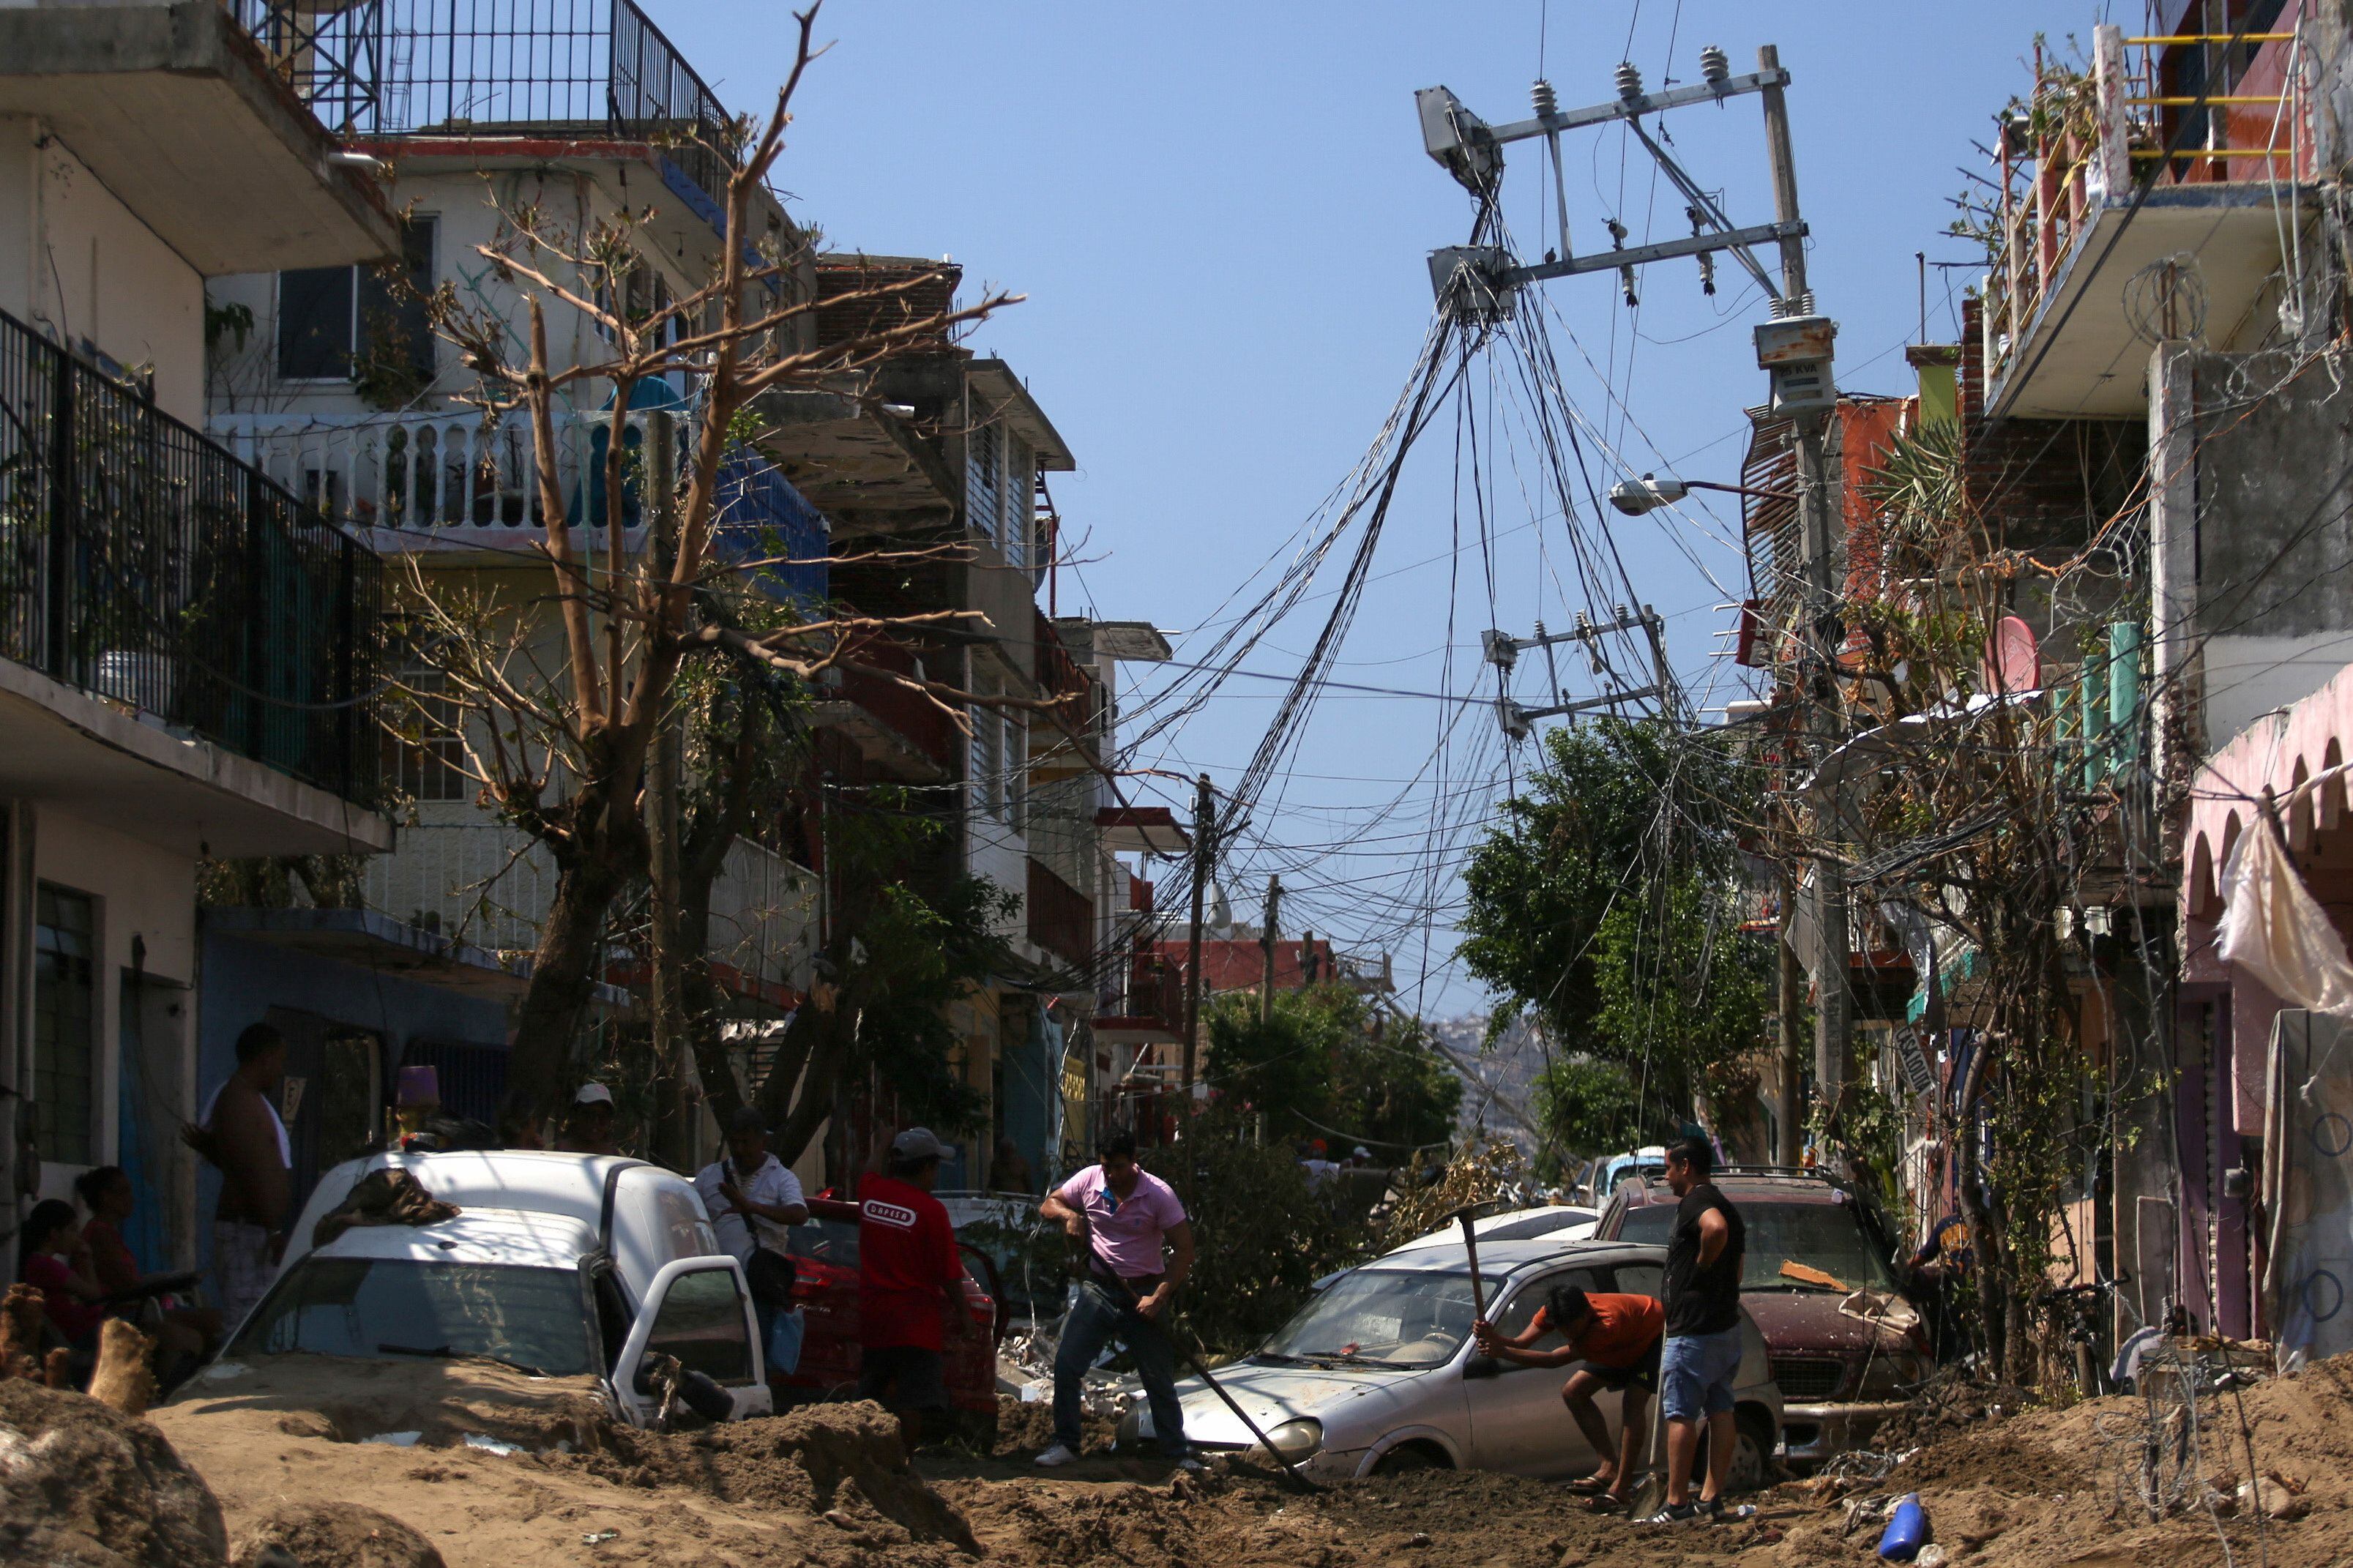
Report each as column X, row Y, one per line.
column 245, row 1138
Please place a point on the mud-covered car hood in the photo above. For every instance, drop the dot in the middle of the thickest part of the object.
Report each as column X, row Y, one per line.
column 1801, row 1322
column 1343, row 1399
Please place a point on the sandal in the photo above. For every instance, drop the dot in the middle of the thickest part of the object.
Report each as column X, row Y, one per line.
column 1602, row 1502
column 1589, row 1486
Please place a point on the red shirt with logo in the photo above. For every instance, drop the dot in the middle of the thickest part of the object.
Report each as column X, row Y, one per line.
column 907, row 1262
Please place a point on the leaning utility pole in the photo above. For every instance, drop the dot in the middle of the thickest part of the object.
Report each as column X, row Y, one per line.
column 1478, row 285
column 1266, row 946
column 1818, row 525
column 1205, row 851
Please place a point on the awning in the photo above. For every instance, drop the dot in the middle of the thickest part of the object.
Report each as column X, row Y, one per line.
column 1142, row 830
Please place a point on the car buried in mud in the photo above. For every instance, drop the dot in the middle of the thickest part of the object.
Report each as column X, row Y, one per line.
column 1820, row 1279
column 579, row 1270
column 1379, row 1373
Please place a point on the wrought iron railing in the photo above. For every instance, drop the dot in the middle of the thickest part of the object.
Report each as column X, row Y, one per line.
column 400, row 68
column 2093, row 135
column 142, row 562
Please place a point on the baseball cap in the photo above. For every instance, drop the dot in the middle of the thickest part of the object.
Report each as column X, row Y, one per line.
column 593, row 1094
column 747, row 1118
column 918, row 1143
column 1361, row 1153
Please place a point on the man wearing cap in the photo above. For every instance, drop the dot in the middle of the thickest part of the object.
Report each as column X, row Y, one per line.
column 1139, row 1250
column 911, row 1296
column 589, row 1129
column 751, row 1197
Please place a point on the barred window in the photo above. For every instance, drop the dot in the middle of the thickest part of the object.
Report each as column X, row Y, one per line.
column 427, row 761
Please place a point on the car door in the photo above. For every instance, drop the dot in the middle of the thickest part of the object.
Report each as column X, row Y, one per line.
column 699, row 1310
column 1518, row 1423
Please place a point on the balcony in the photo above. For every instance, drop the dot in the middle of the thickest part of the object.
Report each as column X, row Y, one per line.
column 2081, row 286
column 1061, row 920
column 1153, row 1007
column 901, row 732
column 453, row 483
column 197, row 602
column 174, row 108
column 461, row 68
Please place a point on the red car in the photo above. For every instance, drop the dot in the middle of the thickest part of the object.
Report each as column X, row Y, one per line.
column 825, row 1250
column 1839, row 1376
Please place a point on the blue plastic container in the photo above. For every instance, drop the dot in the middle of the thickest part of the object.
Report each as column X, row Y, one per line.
column 1908, row 1531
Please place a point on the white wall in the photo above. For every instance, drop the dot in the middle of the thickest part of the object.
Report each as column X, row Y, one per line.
column 78, row 264
column 2247, row 677
column 141, row 893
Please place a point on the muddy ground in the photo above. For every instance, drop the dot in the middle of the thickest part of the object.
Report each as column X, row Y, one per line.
column 829, row 1487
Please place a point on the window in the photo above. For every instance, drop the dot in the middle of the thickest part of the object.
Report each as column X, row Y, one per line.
column 427, row 761
column 987, row 757
column 1381, row 1318
column 65, row 1027
column 984, row 470
column 335, row 322
column 1020, row 485
column 702, row 1323
column 1017, row 771
column 390, row 1309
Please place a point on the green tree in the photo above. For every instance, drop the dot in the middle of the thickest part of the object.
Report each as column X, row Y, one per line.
column 1602, row 908
column 1325, row 1062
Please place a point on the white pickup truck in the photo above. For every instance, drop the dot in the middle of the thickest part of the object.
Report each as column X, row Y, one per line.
column 563, row 1265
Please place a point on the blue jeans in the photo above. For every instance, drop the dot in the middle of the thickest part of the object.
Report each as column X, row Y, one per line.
column 1695, row 1373
column 1098, row 1317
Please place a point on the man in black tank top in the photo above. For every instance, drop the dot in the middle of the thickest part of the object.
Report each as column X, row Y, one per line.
column 1701, row 1354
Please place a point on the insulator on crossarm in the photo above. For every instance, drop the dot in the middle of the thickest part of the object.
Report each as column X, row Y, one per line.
column 1629, row 80
column 1541, row 95
column 1714, row 66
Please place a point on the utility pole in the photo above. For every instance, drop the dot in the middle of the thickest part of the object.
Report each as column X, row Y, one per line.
column 1788, row 1131
column 1266, row 944
column 1817, row 666
column 1205, row 851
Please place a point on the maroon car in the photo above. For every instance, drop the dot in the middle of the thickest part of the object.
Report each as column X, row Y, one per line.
column 1839, row 1376
column 825, row 1252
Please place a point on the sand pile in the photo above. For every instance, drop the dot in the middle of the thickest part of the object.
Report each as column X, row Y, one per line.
column 85, row 1486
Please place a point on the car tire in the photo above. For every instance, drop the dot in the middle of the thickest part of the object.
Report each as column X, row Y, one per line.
column 1406, row 1458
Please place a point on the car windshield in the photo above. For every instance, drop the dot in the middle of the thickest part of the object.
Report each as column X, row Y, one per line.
column 1382, row 1319
column 1827, row 1237
column 385, row 1307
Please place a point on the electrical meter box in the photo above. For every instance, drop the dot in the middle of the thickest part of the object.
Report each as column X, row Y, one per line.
column 1795, row 351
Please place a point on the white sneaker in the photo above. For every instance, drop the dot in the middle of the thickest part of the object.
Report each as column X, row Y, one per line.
column 1057, row 1455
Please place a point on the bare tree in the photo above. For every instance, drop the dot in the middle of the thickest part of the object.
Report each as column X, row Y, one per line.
column 560, row 741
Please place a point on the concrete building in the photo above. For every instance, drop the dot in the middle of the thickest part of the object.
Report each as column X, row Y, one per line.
column 335, row 384
column 186, row 664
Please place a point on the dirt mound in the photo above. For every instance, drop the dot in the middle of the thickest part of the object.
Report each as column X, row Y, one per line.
column 843, row 1463
column 86, row 1485
column 1027, row 1428
column 1950, row 1404
column 333, row 1535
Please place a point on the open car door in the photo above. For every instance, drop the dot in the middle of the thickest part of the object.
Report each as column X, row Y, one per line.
column 699, row 1311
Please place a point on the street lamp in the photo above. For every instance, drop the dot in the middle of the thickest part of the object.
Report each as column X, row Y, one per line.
column 1636, row 497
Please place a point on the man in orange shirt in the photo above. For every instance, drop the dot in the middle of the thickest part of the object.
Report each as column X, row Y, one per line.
column 1614, row 1341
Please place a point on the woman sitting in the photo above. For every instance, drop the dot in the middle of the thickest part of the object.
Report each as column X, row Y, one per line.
column 56, row 1262
column 189, row 1332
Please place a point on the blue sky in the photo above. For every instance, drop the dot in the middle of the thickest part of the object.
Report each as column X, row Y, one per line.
column 1220, row 214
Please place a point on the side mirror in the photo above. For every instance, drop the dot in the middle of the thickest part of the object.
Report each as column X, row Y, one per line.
column 1482, row 1366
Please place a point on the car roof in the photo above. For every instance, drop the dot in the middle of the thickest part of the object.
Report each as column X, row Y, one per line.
column 1502, row 1257
column 1563, row 1216
column 508, row 1238
column 1783, row 1186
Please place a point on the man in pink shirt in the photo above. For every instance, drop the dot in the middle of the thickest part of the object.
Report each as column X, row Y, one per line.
column 1139, row 1250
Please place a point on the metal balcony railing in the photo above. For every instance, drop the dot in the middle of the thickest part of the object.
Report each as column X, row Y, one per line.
column 2086, row 139
column 142, row 562
column 404, row 67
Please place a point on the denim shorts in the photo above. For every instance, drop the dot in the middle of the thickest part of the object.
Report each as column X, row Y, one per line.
column 1696, row 1373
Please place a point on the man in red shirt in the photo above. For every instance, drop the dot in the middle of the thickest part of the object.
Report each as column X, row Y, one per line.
column 1614, row 1341
column 910, row 1284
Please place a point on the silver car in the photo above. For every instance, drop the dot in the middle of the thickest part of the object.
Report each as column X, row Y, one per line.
column 1379, row 1373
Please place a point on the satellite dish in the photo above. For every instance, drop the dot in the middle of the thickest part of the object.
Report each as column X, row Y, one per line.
column 2013, row 663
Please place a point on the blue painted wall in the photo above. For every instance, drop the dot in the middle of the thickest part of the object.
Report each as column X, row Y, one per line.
column 243, row 980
